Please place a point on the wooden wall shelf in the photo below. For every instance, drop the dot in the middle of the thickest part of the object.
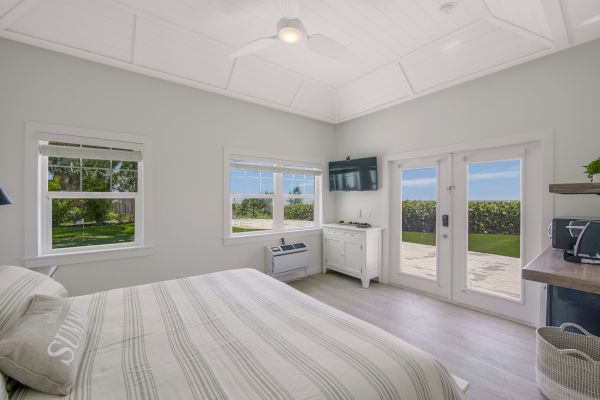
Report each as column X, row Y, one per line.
column 575, row 188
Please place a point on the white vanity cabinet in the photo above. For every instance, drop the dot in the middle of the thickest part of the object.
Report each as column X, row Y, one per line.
column 352, row 251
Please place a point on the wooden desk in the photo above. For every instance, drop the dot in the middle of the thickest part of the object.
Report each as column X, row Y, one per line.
column 549, row 267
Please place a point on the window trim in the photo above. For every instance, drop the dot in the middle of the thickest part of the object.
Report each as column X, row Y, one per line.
column 37, row 229
column 231, row 154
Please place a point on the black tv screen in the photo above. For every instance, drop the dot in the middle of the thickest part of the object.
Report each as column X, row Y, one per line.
column 353, row 175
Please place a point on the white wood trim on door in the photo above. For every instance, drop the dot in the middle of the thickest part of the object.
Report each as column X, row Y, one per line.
column 544, row 137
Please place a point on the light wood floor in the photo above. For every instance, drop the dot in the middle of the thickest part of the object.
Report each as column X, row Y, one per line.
column 495, row 355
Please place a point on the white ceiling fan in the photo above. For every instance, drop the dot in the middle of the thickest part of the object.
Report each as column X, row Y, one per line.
column 290, row 30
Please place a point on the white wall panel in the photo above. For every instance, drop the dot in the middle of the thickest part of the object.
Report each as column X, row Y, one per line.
column 316, row 99
column 481, row 46
column 182, row 53
column 256, row 78
column 92, row 26
column 379, row 87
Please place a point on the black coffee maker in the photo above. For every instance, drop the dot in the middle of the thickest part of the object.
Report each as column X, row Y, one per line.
column 578, row 237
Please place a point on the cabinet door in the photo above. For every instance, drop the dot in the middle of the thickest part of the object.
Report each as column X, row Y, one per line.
column 333, row 252
column 353, row 256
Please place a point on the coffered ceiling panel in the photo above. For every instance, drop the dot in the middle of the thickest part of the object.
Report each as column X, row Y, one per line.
column 256, row 78
column 316, row 99
column 528, row 14
column 481, row 46
column 6, row 5
column 401, row 49
column 167, row 48
column 87, row 25
column 583, row 17
column 379, row 87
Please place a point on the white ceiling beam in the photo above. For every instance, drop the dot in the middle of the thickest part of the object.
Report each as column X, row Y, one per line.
column 293, row 102
column 16, row 12
column 231, row 73
column 557, row 23
column 526, row 33
column 406, row 78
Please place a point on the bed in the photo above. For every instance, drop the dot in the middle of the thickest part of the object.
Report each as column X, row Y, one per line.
column 240, row 334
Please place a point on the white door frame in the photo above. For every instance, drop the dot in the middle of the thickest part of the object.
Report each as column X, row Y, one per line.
column 441, row 285
column 546, row 140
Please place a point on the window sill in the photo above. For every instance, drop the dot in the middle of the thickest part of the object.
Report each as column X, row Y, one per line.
column 87, row 256
column 265, row 237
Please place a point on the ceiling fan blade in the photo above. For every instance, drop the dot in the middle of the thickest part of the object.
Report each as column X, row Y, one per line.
column 326, row 46
column 289, row 8
column 254, row 46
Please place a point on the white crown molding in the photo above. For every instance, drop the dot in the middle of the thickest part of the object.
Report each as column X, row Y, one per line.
column 449, row 84
column 553, row 10
column 80, row 53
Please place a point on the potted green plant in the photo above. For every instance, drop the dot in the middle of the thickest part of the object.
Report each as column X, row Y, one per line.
column 593, row 170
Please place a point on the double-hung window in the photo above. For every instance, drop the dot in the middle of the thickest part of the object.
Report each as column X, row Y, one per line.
column 89, row 194
column 271, row 196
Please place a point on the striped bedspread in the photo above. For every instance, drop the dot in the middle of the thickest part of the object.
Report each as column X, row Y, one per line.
column 241, row 335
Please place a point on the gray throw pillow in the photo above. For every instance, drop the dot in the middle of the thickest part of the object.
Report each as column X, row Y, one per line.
column 43, row 349
column 17, row 285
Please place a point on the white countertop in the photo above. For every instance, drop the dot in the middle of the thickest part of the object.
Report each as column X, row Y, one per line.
column 351, row 228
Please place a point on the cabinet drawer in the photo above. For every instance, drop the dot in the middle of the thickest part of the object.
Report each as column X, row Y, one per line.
column 332, row 232
column 353, row 235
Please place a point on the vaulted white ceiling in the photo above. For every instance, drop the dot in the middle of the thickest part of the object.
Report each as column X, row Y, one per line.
column 402, row 49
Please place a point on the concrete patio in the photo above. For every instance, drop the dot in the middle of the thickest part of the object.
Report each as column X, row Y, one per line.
column 498, row 274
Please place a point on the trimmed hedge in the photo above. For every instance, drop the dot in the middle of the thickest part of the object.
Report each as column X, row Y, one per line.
column 303, row 212
column 262, row 209
column 503, row 217
column 500, row 217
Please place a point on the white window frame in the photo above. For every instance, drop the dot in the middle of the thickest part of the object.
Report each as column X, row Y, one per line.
column 279, row 198
column 38, row 204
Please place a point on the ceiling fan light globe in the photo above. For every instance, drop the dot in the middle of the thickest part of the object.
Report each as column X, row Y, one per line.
column 290, row 35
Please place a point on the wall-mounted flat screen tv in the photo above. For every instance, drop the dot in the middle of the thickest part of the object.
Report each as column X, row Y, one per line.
column 353, row 175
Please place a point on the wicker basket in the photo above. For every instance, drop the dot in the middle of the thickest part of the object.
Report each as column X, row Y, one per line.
column 568, row 364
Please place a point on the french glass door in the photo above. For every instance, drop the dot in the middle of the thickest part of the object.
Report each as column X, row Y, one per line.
column 423, row 253
column 497, row 196
column 458, row 228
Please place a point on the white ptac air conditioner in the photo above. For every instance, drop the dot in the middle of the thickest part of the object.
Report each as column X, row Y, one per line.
column 287, row 258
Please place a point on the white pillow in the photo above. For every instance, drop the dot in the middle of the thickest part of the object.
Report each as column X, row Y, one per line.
column 17, row 286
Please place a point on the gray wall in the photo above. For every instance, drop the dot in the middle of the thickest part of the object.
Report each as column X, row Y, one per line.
column 189, row 128
column 560, row 92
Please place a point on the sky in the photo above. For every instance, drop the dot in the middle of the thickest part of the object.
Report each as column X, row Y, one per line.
column 256, row 182
column 496, row 180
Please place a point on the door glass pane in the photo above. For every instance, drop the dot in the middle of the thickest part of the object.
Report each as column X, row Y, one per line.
column 419, row 210
column 494, row 218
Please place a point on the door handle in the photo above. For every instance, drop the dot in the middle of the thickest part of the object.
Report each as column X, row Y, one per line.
column 445, row 220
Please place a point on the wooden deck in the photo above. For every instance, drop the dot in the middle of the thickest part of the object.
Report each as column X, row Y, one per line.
column 498, row 274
